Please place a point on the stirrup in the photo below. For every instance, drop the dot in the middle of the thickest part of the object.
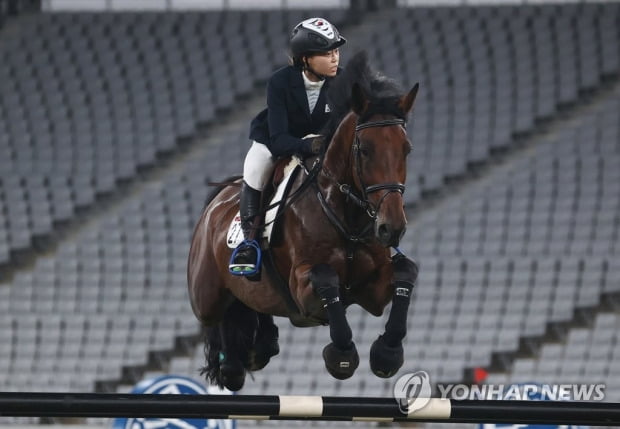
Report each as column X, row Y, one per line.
column 245, row 270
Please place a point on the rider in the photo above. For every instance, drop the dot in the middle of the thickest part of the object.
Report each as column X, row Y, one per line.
column 296, row 108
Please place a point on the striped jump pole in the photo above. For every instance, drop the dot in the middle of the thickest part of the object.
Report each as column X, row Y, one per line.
column 20, row 404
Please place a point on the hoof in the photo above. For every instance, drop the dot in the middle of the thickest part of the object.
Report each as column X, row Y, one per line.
column 261, row 354
column 232, row 375
column 385, row 360
column 341, row 364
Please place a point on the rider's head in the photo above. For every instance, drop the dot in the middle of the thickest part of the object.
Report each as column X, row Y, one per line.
column 314, row 47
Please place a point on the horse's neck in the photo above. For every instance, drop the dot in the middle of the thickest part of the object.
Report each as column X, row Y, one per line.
column 339, row 168
column 338, row 158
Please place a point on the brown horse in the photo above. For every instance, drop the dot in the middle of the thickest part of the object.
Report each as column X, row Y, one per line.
column 333, row 245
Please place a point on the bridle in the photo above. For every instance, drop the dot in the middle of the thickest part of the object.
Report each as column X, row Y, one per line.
column 350, row 194
column 390, row 187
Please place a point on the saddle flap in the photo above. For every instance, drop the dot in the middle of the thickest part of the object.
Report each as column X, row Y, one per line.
column 283, row 173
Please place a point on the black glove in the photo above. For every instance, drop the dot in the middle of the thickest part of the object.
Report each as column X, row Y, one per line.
column 312, row 145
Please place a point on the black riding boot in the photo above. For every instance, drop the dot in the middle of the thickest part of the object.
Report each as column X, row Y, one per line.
column 244, row 261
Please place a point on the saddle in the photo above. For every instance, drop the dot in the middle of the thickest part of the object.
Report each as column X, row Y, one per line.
column 284, row 175
column 273, row 200
column 273, row 196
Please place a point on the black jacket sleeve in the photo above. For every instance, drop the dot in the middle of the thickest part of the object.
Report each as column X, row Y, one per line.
column 282, row 143
column 287, row 118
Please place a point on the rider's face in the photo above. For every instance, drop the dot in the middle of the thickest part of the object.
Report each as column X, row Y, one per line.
column 326, row 63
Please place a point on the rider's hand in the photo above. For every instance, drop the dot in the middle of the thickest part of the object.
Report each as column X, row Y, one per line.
column 313, row 144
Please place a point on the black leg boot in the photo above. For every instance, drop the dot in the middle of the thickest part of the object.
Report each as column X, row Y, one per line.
column 244, row 261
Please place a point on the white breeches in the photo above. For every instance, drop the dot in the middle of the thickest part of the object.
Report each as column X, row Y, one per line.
column 257, row 166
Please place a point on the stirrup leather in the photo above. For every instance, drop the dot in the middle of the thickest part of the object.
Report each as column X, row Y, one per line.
column 245, row 269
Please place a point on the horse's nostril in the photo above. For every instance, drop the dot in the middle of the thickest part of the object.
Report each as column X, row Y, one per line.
column 384, row 231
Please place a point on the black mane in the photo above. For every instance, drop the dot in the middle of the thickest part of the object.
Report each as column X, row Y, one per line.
column 382, row 92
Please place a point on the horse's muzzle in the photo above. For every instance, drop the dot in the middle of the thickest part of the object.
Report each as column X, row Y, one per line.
column 390, row 221
column 387, row 235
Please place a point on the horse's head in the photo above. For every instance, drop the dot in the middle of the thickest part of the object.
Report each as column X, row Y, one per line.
column 379, row 159
column 366, row 158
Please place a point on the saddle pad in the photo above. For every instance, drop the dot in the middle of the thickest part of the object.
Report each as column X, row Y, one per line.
column 235, row 233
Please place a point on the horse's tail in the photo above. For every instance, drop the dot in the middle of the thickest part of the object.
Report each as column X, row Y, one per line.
column 219, row 187
column 227, row 346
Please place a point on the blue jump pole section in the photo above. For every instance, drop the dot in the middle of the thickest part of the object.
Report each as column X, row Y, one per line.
column 297, row 407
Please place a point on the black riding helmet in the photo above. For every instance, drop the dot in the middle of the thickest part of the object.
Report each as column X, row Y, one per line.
column 314, row 35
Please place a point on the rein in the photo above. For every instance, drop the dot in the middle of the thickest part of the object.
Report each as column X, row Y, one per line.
column 363, row 202
column 311, row 174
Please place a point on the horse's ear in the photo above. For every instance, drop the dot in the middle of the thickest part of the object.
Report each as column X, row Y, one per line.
column 406, row 102
column 359, row 101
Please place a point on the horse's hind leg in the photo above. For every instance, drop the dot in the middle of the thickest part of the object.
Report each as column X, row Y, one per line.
column 386, row 353
column 265, row 344
column 341, row 358
column 227, row 345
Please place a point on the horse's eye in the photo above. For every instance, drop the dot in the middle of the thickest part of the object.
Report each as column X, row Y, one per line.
column 364, row 150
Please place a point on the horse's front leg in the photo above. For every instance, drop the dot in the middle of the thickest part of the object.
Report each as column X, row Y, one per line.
column 340, row 356
column 386, row 353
